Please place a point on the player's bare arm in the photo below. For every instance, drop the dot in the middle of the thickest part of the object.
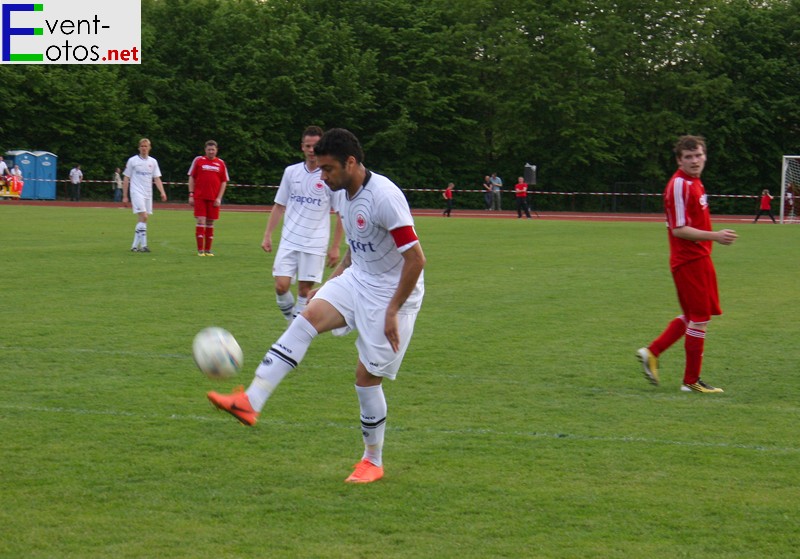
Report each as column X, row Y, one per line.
column 160, row 187
column 413, row 263
column 191, row 190
column 222, row 187
column 723, row 236
column 275, row 217
column 333, row 250
column 343, row 265
column 125, row 184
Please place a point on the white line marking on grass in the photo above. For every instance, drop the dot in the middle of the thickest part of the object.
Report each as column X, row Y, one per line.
column 93, row 351
column 460, row 432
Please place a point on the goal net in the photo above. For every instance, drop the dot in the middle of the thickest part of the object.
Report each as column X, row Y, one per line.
column 790, row 189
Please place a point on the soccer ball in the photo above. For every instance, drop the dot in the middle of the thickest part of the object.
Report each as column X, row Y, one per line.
column 217, row 353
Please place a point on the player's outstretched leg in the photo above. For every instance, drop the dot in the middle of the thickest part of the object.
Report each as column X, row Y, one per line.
column 282, row 358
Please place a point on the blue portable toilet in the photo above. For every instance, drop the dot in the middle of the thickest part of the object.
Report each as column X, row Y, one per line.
column 27, row 164
column 45, row 175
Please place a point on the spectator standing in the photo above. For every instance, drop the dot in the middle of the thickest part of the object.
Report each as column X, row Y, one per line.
column 116, row 183
column 487, row 193
column 521, row 194
column 788, row 207
column 497, row 188
column 448, row 199
column 765, row 205
column 75, row 179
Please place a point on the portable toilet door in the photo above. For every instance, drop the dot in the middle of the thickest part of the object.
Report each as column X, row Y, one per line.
column 45, row 175
column 27, row 164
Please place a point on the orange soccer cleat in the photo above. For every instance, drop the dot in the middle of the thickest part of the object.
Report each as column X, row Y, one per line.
column 365, row 472
column 236, row 404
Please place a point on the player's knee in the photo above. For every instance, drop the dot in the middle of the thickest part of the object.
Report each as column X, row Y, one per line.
column 281, row 286
column 304, row 288
column 698, row 325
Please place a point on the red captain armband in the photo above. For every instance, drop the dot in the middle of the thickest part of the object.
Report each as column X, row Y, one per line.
column 404, row 236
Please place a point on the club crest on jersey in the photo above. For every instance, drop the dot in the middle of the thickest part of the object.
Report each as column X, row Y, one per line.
column 319, row 186
column 361, row 221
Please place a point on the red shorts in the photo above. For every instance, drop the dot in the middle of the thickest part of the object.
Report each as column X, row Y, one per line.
column 206, row 208
column 696, row 283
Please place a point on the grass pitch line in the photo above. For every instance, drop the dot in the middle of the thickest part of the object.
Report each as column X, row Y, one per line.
column 93, row 351
column 458, row 432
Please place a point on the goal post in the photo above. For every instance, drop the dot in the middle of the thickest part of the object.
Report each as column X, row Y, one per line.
column 790, row 188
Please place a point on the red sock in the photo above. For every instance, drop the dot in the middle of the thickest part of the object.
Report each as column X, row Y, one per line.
column 209, row 236
column 669, row 336
column 200, row 233
column 695, row 340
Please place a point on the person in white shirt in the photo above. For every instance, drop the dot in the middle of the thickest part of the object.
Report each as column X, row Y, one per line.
column 377, row 290
column 3, row 167
column 141, row 172
column 303, row 201
column 75, row 179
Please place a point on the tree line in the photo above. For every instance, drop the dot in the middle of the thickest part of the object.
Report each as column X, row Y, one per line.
column 592, row 92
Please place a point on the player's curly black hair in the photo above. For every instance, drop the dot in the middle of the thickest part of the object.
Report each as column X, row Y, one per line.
column 340, row 144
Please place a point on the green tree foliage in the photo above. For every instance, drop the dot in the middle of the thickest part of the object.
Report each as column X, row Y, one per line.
column 593, row 92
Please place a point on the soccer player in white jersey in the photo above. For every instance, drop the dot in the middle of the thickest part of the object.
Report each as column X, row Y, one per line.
column 377, row 290
column 141, row 172
column 303, row 201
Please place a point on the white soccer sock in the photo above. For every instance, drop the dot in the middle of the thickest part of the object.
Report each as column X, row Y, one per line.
column 373, row 421
column 286, row 304
column 300, row 305
column 140, row 235
column 280, row 360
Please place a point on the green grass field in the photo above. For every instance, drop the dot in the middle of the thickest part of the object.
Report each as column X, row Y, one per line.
column 519, row 426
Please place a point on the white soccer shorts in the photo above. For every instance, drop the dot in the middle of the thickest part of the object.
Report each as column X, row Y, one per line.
column 364, row 310
column 141, row 204
column 298, row 265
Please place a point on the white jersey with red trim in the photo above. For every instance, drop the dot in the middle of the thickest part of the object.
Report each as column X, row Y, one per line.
column 368, row 219
column 306, row 222
column 141, row 173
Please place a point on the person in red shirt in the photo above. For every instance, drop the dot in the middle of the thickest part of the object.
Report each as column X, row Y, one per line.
column 208, row 178
column 765, row 206
column 690, row 241
column 448, row 196
column 521, row 193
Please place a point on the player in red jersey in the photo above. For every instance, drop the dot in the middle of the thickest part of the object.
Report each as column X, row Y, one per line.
column 690, row 242
column 208, row 178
